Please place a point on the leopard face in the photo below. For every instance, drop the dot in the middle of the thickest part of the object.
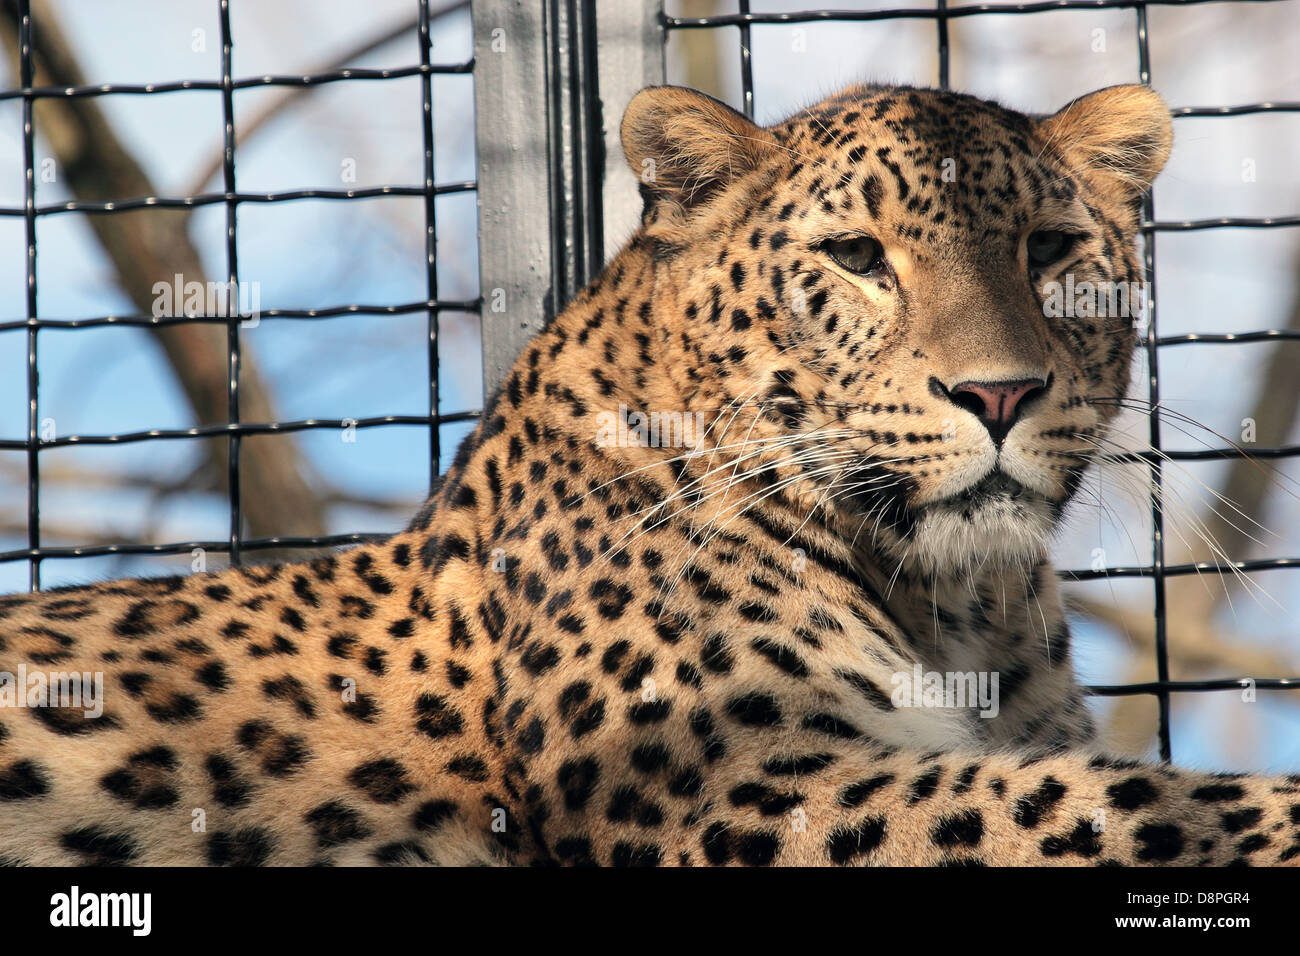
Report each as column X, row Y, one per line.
column 914, row 309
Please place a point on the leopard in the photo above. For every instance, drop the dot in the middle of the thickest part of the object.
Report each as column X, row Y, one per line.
column 803, row 445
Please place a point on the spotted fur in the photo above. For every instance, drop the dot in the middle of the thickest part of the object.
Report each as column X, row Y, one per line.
column 587, row 651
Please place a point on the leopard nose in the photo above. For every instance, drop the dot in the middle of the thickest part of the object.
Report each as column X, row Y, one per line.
column 997, row 404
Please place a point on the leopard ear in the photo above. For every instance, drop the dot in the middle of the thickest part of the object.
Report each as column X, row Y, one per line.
column 1119, row 137
column 684, row 146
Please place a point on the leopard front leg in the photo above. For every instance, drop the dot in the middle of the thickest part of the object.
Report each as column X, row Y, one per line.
column 842, row 805
column 817, row 802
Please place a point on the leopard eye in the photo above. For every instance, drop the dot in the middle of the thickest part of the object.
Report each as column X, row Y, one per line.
column 858, row 254
column 1047, row 246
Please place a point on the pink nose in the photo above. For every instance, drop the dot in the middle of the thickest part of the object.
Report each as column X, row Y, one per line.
column 998, row 404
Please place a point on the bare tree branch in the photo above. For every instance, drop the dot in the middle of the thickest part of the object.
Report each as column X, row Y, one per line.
column 292, row 95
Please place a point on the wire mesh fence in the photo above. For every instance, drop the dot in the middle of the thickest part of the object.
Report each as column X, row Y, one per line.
column 232, row 315
column 568, row 48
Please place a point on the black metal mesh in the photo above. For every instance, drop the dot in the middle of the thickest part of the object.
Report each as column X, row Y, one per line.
column 235, row 428
column 1157, row 570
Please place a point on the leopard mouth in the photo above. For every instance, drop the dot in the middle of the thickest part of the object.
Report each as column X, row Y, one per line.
column 995, row 487
column 996, row 520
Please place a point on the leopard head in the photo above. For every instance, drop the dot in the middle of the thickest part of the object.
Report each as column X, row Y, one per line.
column 918, row 309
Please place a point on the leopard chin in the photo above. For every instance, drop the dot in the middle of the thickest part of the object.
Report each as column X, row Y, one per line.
column 995, row 523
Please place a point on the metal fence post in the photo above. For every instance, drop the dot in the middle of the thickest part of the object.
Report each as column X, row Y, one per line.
column 555, row 199
column 513, row 198
column 631, row 42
